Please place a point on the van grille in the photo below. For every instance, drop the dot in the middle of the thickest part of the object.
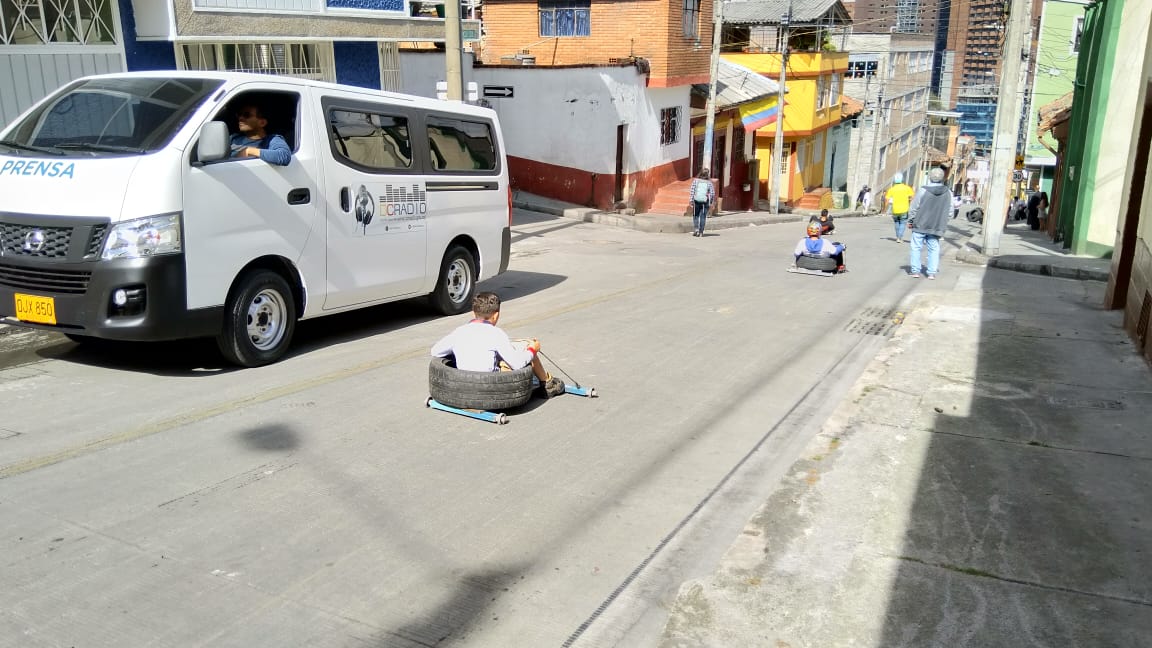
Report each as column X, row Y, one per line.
column 68, row 282
column 96, row 240
column 55, row 240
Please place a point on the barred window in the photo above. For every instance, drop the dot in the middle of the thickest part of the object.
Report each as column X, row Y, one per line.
column 565, row 17
column 44, row 22
column 692, row 18
column 301, row 60
column 669, row 125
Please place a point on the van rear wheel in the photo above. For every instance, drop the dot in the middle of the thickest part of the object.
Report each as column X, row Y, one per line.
column 259, row 320
column 457, row 283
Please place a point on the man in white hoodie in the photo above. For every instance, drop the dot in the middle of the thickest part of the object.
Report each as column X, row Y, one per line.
column 928, row 219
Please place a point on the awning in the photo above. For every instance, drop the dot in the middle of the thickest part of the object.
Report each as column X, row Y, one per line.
column 758, row 114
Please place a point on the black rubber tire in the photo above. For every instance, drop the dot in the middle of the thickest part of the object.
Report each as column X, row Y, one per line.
column 975, row 216
column 484, row 390
column 822, row 264
column 457, row 283
column 257, row 290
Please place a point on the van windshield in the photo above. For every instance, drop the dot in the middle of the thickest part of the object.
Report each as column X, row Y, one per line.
column 112, row 116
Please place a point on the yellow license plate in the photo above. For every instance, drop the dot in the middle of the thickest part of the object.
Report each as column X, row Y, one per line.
column 33, row 308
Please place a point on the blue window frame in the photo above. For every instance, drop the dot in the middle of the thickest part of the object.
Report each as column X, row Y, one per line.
column 565, row 17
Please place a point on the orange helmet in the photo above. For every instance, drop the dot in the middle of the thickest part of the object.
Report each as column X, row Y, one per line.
column 814, row 228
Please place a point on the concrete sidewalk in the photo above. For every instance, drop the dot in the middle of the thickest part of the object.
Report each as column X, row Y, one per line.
column 1023, row 250
column 985, row 484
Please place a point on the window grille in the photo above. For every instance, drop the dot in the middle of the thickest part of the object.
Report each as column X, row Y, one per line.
column 301, row 60
column 669, row 125
column 390, row 76
column 49, row 22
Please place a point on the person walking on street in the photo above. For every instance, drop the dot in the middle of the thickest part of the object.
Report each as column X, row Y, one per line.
column 860, row 197
column 703, row 194
column 898, row 199
column 928, row 220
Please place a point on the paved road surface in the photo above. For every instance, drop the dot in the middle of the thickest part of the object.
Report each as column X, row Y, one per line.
column 152, row 496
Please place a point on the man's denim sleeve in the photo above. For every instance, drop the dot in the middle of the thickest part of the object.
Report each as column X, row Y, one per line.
column 277, row 153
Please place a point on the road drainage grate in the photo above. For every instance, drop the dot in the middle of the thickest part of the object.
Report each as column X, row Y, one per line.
column 875, row 320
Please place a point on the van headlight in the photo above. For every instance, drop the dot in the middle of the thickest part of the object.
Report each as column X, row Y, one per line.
column 143, row 237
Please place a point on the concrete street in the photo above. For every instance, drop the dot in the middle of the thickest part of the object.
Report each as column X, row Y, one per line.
column 774, row 460
column 154, row 497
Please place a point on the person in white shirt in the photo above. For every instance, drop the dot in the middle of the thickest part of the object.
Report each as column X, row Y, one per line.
column 480, row 345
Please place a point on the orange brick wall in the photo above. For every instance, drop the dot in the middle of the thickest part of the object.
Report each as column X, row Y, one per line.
column 649, row 29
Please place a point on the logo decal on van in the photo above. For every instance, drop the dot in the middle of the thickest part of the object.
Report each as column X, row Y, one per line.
column 365, row 207
column 404, row 207
column 38, row 168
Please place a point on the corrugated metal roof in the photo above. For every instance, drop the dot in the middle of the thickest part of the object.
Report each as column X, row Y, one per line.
column 770, row 12
column 736, row 84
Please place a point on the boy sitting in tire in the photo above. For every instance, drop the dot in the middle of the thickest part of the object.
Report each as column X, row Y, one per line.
column 480, row 345
column 814, row 246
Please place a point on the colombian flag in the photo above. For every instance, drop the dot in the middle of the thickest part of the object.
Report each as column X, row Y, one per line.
column 759, row 114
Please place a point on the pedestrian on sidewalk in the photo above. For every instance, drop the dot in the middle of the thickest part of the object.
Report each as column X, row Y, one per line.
column 899, row 199
column 703, row 195
column 928, row 220
column 860, row 197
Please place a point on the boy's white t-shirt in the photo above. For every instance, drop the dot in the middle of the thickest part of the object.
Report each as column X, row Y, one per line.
column 478, row 344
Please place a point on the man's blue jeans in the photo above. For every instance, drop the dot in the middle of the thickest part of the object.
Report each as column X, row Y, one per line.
column 699, row 216
column 919, row 241
column 901, row 220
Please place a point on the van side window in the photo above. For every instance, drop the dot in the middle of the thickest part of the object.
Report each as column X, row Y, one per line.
column 459, row 145
column 371, row 140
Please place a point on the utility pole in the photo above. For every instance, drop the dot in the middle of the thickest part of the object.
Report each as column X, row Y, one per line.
column 856, row 184
column 879, row 127
column 710, row 109
column 1004, row 142
column 452, row 53
column 778, row 145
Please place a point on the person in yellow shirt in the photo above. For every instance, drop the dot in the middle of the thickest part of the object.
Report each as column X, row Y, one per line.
column 896, row 201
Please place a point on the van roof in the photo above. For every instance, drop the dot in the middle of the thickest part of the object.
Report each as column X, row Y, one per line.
column 233, row 79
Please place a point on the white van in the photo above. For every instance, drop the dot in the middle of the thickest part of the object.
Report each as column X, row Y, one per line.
column 123, row 216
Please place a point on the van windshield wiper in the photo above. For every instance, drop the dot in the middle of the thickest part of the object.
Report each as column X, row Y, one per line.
column 91, row 146
column 29, row 147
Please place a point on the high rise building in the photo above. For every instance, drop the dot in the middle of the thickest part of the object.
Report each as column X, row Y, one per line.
column 925, row 17
column 976, row 39
column 902, row 16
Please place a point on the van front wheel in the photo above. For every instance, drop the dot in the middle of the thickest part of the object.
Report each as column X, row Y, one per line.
column 259, row 320
column 457, row 282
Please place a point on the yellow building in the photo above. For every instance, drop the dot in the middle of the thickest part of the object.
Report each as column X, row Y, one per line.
column 811, row 108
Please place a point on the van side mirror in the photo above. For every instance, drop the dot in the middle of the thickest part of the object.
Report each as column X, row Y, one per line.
column 214, row 142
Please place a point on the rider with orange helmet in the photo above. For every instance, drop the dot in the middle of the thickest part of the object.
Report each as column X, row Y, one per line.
column 814, row 246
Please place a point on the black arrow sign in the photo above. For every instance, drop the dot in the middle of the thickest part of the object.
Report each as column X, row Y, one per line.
column 504, row 92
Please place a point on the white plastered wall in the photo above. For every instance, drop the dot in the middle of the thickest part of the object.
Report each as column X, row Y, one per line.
column 568, row 116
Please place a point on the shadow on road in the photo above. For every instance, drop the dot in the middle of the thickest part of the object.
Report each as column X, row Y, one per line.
column 200, row 357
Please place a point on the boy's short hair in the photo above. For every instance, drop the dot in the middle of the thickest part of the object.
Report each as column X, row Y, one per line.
column 485, row 304
column 823, row 212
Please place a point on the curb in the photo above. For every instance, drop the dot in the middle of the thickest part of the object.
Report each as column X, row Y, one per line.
column 970, row 254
